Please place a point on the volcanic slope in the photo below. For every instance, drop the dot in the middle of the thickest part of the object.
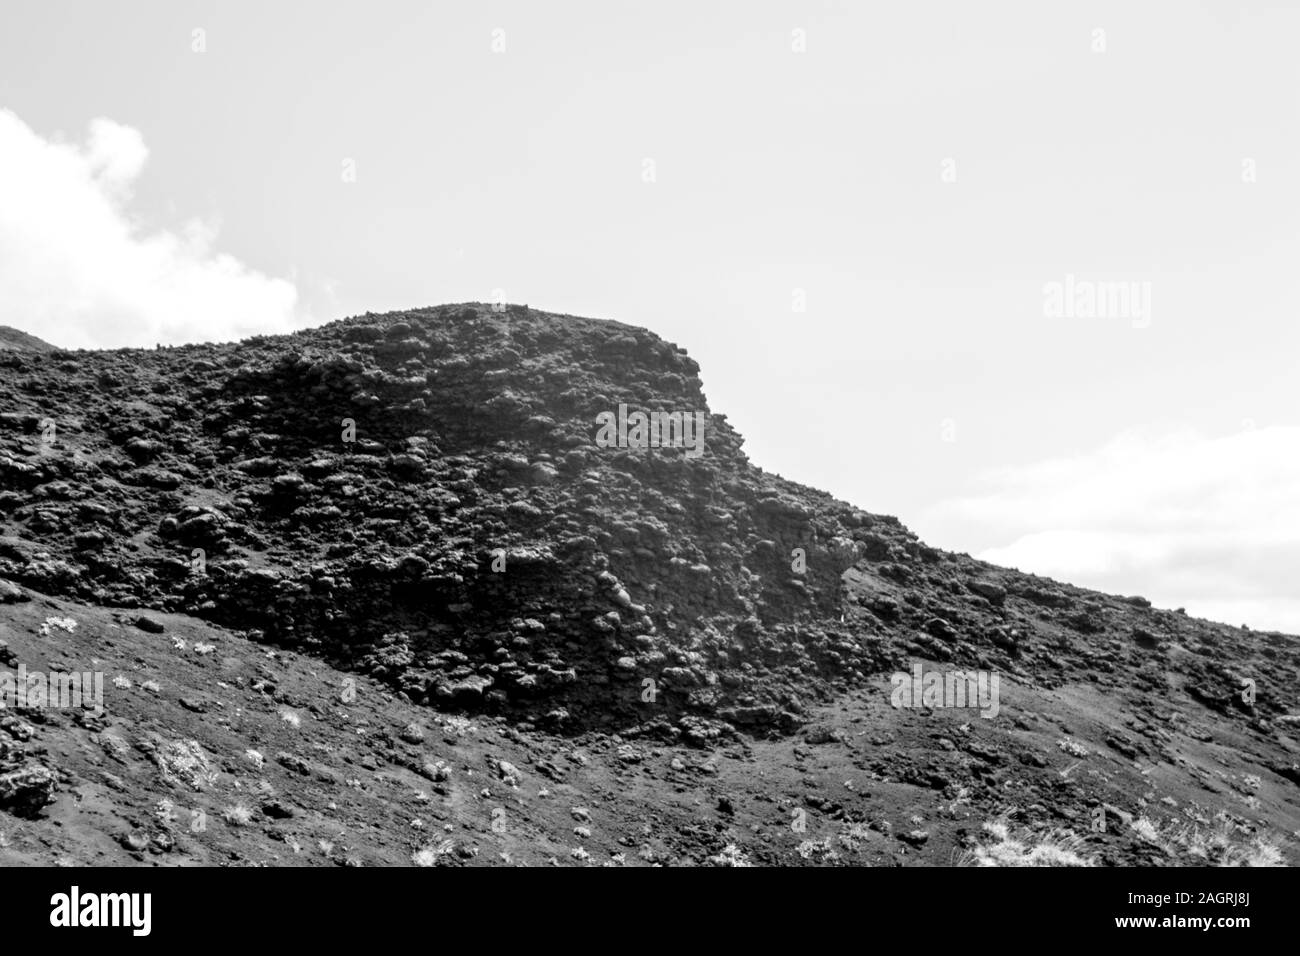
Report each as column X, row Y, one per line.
column 418, row 501
column 11, row 338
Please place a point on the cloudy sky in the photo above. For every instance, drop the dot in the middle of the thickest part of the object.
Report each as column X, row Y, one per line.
column 1022, row 274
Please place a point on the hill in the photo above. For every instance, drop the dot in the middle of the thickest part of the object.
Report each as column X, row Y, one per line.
column 452, row 507
column 11, row 338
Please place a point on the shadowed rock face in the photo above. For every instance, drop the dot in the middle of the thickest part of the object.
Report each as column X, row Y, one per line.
column 425, row 497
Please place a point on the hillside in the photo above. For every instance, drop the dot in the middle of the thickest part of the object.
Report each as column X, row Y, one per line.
column 695, row 652
column 11, row 338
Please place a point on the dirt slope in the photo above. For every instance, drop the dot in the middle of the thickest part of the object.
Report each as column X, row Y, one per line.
column 214, row 750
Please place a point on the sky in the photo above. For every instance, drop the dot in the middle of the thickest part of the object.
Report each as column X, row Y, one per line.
column 1021, row 274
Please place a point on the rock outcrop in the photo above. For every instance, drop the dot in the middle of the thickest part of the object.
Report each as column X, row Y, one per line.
column 422, row 496
column 431, row 498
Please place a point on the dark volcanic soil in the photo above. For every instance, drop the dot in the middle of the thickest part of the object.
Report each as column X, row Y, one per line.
column 400, row 606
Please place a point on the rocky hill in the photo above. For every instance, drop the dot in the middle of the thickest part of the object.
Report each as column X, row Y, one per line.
column 11, row 338
column 442, row 505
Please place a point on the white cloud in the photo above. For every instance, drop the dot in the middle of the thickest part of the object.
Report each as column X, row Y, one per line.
column 1207, row 523
column 77, row 271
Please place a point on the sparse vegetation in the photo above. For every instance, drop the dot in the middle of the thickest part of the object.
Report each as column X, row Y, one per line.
column 819, row 851
column 1225, row 843
column 854, row 835
column 1052, row 848
column 1072, row 747
column 431, row 855
column 52, row 624
column 237, row 815
column 730, row 855
column 1145, row 829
